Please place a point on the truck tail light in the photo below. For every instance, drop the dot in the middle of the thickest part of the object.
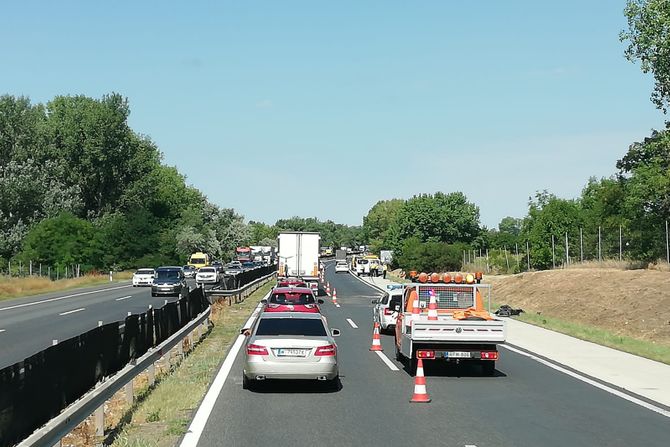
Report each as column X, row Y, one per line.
column 425, row 354
column 489, row 355
column 256, row 350
column 326, row 351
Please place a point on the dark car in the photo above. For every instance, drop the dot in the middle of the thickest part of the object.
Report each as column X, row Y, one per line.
column 248, row 265
column 170, row 281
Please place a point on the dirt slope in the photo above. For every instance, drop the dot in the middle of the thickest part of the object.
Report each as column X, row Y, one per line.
column 627, row 302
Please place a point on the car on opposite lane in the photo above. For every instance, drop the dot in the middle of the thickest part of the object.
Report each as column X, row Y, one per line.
column 290, row 345
column 143, row 277
column 189, row 271
column 292, row 299
column 170, row 281
column 207, row 275
column 341, row 266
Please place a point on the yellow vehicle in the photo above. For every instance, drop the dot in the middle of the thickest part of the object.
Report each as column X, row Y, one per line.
column 199, row 260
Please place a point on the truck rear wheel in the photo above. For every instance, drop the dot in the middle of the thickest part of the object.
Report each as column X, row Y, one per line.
column 488, row 367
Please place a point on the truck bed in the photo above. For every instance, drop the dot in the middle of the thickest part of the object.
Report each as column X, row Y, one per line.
column 447, row 329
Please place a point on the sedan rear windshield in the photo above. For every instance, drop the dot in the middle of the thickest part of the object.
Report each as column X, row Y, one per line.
column 292, row 298
column 206, row 270
column 362, row 261
column 145, row 272
column 291, row 326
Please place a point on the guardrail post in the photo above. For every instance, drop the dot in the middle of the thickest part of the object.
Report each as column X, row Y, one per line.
column 99, row 424
column 110, row 276
column 129, row 392
column 151, row 374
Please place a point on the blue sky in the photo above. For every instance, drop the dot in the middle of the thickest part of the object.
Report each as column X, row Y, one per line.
column 315, row 108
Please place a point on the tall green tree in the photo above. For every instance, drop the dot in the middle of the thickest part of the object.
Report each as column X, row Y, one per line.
column 648, row 38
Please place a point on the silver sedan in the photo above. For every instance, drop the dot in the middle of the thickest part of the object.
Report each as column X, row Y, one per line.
column 291, row 345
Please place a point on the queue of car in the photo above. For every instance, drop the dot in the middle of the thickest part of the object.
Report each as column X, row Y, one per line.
column 291, row 338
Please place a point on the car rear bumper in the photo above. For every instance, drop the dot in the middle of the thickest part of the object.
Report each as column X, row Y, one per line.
column 285, row 370
column 175, row 291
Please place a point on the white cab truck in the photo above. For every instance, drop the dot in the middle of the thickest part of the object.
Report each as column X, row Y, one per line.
column 299, row 256
column 463, row 329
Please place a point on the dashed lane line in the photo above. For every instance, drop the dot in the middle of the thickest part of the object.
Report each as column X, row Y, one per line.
column 353, row 325
column 387, row 361
column 72, row 311
column 2, row 330
column 35, row 303
column 123, row 298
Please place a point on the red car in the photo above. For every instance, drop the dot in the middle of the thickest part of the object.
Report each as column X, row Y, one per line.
column 291, row 282
column 292, row 299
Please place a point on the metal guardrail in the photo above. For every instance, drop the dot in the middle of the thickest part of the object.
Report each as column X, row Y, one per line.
column 54, row 430
column 237, row 294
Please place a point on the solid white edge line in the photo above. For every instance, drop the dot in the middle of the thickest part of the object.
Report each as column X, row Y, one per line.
column 351, row 322
column 387, row 361
column 337, row 305
column 62, row 298
column 123, row 298
column 72, row 311
column 3, row 330
column 591, row 382
column 194, row 432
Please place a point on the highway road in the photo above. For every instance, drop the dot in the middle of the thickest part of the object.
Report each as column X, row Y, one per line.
column 525, row 404
column 29, row 325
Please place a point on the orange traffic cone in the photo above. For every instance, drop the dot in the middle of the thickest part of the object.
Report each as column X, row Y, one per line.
column 420, row 393
column 328, row 290
column 416, row 312
column 432, row 308
column 376, row 339
column 334, row 295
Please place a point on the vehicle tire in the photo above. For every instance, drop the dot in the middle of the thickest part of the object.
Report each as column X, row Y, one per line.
column 246, row 383
column 333, row 384
column 488, row 367
column 413, row 364
column 398, row 355
column 153, row 294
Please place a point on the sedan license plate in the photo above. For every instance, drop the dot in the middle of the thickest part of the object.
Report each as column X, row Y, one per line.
column 291, row 352
column 458, row 355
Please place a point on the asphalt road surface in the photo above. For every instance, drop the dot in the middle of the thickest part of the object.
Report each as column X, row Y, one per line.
column 29, row 325
column 524, row 404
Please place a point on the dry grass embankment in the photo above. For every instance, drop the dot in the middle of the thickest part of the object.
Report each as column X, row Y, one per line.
column 34, row 285
column 624, row 309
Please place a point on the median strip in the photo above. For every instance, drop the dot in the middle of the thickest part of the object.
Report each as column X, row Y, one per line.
column 72, row 311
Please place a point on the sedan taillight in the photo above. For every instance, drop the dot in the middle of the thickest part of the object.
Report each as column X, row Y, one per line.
column 326, row 351
column 388, row 311
column 253, row 349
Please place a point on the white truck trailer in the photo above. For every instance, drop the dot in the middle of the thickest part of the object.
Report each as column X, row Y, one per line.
column 299, row 256
column 461, row 329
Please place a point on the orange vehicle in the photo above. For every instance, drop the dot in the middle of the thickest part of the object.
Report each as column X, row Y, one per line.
column 447, row 317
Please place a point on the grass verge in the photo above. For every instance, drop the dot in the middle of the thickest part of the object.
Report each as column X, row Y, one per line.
column 28, row 286
column 163, row 413
column 643, row 348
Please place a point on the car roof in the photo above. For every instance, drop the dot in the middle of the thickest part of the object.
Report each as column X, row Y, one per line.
column 276, row 315
column 292, row 290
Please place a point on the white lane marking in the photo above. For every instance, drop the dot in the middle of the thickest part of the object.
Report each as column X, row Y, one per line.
column 2, row 330
column 470, row 445
column 353, row 325
column 123, row 298
column 591, row 382
column 194, row 432
column 337, row 305
column 387, row 361
column 17, row 306
column 73, row 311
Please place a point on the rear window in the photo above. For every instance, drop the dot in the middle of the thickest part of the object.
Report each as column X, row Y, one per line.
column 396, row 300
column 342, row 263
column 207, row 270
column 292, row 298
column 167, row 274
column 362, row 261
column 145, row 272
column 291, row 326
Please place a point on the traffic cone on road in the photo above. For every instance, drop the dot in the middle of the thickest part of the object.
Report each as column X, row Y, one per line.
column 432, row 307
column 420, row 393
column 376, row 339
column 328, row 290
column 334, row 295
